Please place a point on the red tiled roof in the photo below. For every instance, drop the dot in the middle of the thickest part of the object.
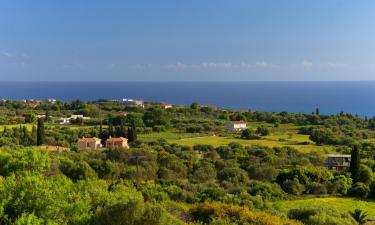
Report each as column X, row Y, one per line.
column 93, row 139
column 117, row 139
column 238, row 122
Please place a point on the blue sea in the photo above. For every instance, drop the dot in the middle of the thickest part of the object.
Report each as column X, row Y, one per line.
column 330, row 97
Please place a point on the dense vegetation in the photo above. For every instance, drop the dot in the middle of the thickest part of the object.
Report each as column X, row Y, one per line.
column 253, row 179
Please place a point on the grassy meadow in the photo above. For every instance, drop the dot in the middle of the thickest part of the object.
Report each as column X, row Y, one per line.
column 341, row 204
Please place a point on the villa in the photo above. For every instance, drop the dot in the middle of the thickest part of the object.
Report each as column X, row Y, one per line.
column 116, row 142
column 235, row 126
column 338, row 162
column 89, row 143
column 66, row 120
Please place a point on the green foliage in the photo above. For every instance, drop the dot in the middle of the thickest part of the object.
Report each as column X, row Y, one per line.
column 40, row 132
column 360, row 190
column 249, row 134
column 23, row 160
column 320, row 216
column 359, row 216
column 355, row 163
column 263, row 131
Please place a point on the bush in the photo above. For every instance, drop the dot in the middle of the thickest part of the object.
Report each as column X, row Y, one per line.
column 249, row 134
column 320, row 216
column 317, row 188
column 360, row 190
column 293, row 187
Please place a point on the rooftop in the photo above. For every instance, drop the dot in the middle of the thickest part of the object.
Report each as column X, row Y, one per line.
column 89, row 139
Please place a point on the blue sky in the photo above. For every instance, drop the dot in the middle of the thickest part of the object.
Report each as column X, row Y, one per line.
column 191, row 40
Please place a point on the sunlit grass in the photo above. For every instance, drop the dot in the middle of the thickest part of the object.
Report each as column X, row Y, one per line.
column 341, row 204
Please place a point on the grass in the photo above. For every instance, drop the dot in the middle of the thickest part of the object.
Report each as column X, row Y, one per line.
column 169, row 135
column 341, row 204
column 218, row 141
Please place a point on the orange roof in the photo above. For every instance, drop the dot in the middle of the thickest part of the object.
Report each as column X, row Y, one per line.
column 238, row 122
column 94, row 139
column 117, row 139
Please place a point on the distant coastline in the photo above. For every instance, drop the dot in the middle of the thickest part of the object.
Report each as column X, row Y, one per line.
column 331, row 97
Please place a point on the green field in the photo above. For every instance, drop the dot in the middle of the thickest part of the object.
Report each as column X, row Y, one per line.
column 283, row 135
column 269, row 142
column 341, row 204
column 167, row 136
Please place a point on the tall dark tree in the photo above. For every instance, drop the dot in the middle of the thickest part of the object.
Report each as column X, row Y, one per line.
column 355, row 163
column 317, row 111
column 132, row 134
column 40, row 132
column 48, row 118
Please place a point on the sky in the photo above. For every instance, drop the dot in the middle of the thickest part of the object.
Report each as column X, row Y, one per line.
column 187, row 40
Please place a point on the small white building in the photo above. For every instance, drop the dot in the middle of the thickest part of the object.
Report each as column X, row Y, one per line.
column 66, row 120
column 338, row 162
column 166, row 106
column 235, row 126
column 138, row 103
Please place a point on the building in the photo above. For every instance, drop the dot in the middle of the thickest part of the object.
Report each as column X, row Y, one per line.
column 166, row 106
column 235, row 126
column 67, row 120
column 133, row 102
column 116, row 142
column 338, row 162
column 89, row 143
column 64, row 120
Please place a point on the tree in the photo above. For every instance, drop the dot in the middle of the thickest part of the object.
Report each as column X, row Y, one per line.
column 355, row 163
column 359, row 216
column 263, row 131
column 156, row 117
column 40, row 132
column 194, row 105
column 132, row 134
column 249, row 134
column 317, row 111
column 30, row 118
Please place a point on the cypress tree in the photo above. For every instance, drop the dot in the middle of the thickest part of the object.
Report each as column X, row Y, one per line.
column 110, row 130
column 40, row 132
column 355, row 163
column 132, row 134
column 317, row 112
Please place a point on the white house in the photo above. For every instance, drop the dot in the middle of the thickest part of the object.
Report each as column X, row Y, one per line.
column 66, row 120
column 338, row 162
column 234, row 126
column 166, row 106
column 138, row 103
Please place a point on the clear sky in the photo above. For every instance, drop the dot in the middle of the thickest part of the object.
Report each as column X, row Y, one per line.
column 190, row 40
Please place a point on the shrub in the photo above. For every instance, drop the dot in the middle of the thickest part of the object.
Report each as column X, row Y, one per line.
column 359, row 190
column 320, row 216
column 293, row 187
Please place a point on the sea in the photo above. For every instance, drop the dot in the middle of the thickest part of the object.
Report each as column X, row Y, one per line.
column 331, row 97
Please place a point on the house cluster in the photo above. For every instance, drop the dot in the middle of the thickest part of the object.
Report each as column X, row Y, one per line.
column 95, row 143
column 338, row 162
column 236, row 126
column 67, row 120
